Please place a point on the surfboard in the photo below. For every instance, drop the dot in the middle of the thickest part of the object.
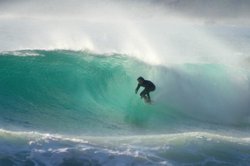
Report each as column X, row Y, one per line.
column 146, row 100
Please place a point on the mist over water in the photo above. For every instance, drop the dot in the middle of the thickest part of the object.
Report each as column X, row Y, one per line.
column 149, row 31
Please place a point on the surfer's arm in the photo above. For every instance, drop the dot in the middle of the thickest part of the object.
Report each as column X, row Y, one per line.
column 137, row 88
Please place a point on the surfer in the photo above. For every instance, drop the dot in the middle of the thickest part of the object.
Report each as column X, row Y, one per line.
column 148, row 85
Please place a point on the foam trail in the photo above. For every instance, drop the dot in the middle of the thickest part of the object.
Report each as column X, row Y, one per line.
column 47, row 149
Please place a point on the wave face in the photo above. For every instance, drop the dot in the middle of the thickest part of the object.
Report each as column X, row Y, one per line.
column 85, row 93
column 88, row 93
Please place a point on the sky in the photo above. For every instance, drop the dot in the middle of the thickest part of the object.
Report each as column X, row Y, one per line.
column 217, row 10
column 211, row 11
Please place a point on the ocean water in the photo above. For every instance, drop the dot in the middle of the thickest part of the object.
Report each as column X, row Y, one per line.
column 63, row 107
column 68, row 77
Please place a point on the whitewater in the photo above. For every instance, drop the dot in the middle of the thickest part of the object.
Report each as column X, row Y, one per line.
column 68, row 79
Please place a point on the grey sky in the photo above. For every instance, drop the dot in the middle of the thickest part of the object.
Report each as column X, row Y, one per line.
column 210, row 8
column 206, row 10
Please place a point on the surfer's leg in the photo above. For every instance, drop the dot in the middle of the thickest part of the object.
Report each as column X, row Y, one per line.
column 143, row 94
column 148, row 96
column 150, row 90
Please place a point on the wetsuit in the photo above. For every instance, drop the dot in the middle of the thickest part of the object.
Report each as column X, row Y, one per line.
column 148, row 85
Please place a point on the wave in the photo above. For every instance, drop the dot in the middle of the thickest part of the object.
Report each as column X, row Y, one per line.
column 93, row 94
column 196, row 148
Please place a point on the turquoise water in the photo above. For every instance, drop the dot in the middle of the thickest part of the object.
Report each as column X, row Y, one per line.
column 86, row 93
column 76, row 107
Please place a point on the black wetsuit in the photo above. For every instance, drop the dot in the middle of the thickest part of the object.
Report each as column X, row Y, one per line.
column 148, row 85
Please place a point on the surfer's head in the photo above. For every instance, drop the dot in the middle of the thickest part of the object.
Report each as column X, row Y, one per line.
column 140, row 79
